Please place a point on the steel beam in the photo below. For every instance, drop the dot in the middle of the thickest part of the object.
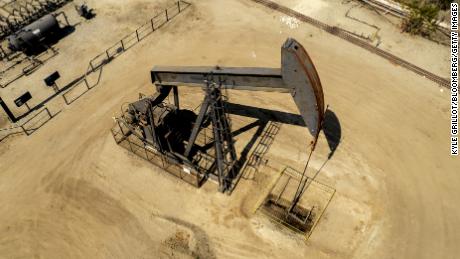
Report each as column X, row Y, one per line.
column 297, row 76
column 198, row 123
column 256, row 79
column 176, row 96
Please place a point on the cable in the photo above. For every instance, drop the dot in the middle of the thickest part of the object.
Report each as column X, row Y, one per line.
column 302, row 183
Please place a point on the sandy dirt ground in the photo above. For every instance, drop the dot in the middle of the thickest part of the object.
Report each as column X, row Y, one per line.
column 68, row 191
column 89, row 38
column 383, row 31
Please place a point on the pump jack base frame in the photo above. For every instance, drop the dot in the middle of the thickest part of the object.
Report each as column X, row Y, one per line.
column 130, row 142
column 306, row 214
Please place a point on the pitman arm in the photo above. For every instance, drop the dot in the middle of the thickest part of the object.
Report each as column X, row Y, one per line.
column 297, row 76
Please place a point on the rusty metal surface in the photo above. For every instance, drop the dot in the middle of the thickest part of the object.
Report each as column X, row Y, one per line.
column 300, row 74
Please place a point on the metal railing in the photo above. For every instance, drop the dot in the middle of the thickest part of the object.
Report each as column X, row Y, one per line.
column 138, row 35
column 30, row 64
column 96, row 65
column 121, row 46
column 125, row 139
column 28, row 127
column 278, row 201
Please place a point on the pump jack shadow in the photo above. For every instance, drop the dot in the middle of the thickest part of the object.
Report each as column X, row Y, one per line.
column 244, row 155
column 333, row 132
column 331, row 128
column 239, row 165
column 331, row 125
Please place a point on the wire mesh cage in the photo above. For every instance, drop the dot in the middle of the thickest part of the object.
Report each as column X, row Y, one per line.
column 194, row 173
column 304, row 216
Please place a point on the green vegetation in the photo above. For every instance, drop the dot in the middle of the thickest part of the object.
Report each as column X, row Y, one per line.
column 444, row 4
column 423, row 16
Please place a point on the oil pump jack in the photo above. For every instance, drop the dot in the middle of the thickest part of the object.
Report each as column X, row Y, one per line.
column 173, row 132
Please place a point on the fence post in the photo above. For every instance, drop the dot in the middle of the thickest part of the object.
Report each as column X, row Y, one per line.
column 166, row 11
column 91, row 65
column 108, row 56
column 137, row 36
column 130, row 147
column 178, row 6
column 65, row 99
column 86, row 83
column 25, row 131
column 146, row 155
column 49, row 113
column 121, row 129
column 122, row 45
column 162, row 160
column 153, row 27
column 2, row 52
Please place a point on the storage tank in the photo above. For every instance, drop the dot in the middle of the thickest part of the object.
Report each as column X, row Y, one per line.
column 30, row 37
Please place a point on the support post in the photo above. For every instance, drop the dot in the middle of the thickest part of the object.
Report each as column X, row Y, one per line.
column 178, row 6
column 219, row 154
column 197, row 127
column 3, row 53
column 65, row 17
column 166, row 11
column 91, row 65
column 55, row 88
column 153, row 26
column 86, row 83
column 25, row 131
column 65, row 99
column 127, row 137
column 49, row 113
column 146, row 155
column 8, row 111
column 176, row 96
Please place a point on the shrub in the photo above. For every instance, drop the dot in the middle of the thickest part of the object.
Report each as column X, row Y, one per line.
column 422, row 18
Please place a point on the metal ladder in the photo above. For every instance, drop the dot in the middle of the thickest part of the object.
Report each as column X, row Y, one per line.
column 224, row 144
